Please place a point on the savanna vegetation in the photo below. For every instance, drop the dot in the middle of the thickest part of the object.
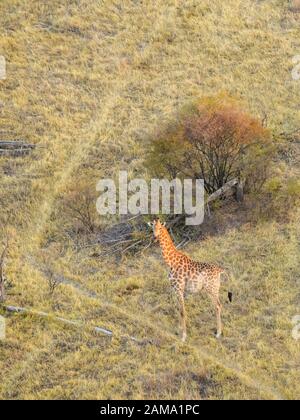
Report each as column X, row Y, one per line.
column 213, row 140
column 155, row 88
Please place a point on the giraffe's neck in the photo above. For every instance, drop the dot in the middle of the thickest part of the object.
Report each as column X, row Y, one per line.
column 169, row 251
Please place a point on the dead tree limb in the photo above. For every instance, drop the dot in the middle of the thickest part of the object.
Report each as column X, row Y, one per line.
column 15, row 148
column 77, row 324
column 11, row 145
column 229, row 187
column 17, row 309
column 85, row 292
column 234, row 187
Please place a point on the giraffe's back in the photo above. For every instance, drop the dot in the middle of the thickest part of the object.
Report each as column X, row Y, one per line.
column 202, row 276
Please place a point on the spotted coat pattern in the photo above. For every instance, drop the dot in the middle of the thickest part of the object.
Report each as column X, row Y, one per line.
column 188, row 276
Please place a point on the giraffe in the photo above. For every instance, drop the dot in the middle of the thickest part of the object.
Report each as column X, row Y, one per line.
column 187, row 276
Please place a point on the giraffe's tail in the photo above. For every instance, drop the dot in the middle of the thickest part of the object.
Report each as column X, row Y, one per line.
column 230, row 294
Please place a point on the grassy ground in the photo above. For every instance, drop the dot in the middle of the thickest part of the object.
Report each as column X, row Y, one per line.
column 87, row 81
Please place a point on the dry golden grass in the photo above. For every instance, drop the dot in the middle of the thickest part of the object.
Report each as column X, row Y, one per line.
column 87, row 82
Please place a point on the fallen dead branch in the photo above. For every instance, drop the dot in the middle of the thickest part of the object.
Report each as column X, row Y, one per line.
column 15, row 148
column 85, row 292
column 129, row 235
column 77, row 324
column 228, row 189
column 17, row 309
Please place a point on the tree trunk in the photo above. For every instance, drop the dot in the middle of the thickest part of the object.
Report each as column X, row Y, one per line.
column 239, row 192
column 227, row 188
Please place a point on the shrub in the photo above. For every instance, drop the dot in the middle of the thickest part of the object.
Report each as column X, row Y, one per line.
column 79, row 205
column 214, row 140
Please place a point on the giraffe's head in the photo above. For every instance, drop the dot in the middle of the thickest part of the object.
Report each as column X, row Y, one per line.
column 158, row 228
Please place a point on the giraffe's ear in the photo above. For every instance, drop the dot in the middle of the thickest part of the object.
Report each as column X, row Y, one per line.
column 151, row 224
column 164, row 224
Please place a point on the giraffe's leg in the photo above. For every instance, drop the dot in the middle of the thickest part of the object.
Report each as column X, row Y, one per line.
column 182, row 316
column 216, row 301
column 219, row 321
